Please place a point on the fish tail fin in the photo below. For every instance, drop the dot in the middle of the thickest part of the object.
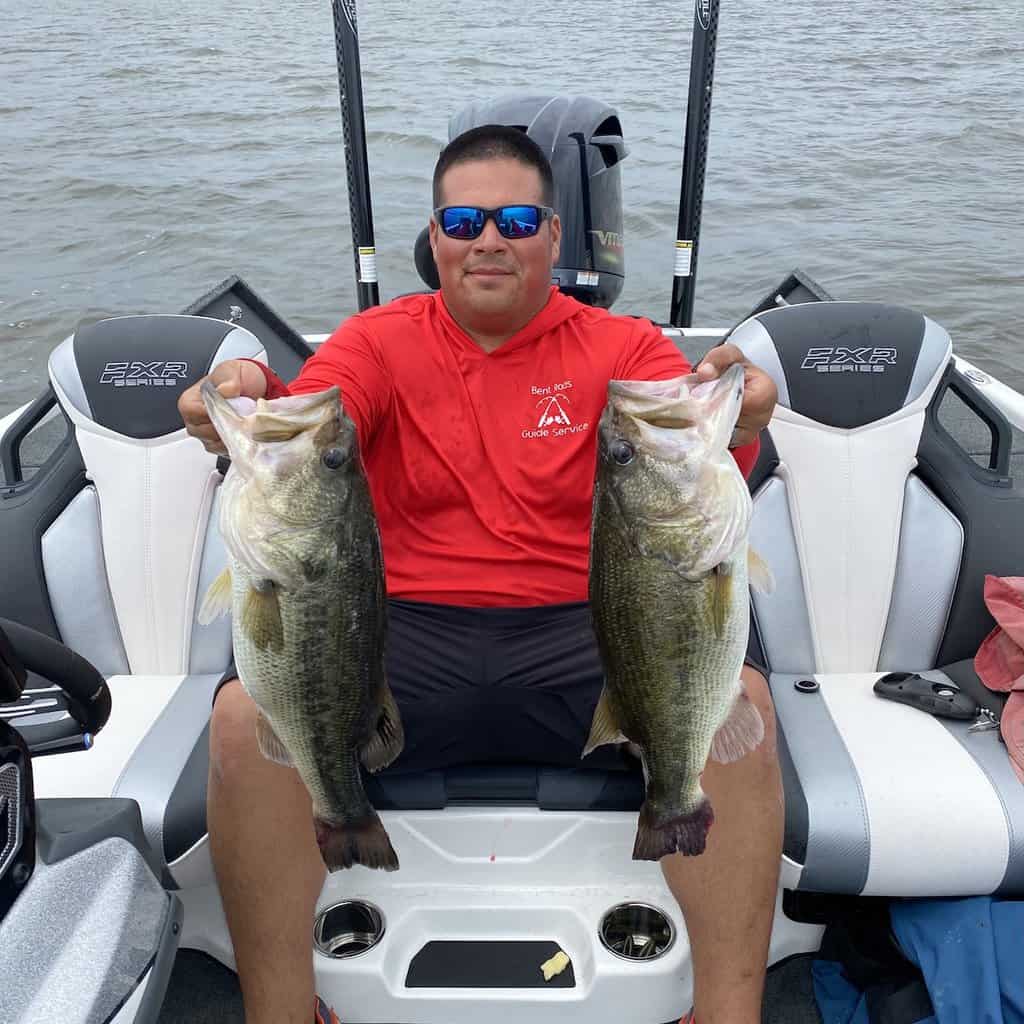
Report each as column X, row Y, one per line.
column 360, row 842
column 740, row 733
column 686, row 834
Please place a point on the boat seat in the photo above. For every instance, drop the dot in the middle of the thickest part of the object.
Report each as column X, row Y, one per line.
column 423, row 257
column 606, row 786
column 880, row 527
column 126, row 560
column 115, row 541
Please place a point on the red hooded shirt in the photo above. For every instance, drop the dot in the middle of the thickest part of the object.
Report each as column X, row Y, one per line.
column 482, row 464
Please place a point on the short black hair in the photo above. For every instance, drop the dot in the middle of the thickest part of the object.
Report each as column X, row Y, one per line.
column 495, row 142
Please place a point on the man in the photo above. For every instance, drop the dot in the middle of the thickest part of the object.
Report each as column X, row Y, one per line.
column 484, row 519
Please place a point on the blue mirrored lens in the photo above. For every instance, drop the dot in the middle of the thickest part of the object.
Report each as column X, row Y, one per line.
column 512, row 221
column 463, row 221
column 517, row 221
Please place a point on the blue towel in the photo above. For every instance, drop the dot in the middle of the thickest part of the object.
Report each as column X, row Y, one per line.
column 839, row 1001
column 969, row 952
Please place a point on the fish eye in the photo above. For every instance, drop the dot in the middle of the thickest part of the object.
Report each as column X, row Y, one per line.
column 621, row 451
column 333, row 458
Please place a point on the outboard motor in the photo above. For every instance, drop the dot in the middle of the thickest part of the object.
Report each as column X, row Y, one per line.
column 583, row 140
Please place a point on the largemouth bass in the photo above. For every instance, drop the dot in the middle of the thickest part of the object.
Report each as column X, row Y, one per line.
column 305, row 585
column 669, row 598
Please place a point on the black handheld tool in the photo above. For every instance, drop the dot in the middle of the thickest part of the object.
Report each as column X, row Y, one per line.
column 943, row 699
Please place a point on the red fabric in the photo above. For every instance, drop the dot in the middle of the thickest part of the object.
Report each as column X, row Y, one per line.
column 1000, row 659
column 481, row 464
column 322, row 1013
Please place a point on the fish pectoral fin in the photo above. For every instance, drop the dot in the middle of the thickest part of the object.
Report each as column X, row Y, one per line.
column 388, row 737
column 740, row 733
column 261, row 617
column 605, row 727
column 721, row 597
column 217, row 600
column 270, row 746
column 759, row 573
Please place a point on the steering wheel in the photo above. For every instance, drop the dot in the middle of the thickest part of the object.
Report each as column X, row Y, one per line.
column 84, row 694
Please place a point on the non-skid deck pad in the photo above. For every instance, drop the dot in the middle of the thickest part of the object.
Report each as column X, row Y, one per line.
column 476, row 964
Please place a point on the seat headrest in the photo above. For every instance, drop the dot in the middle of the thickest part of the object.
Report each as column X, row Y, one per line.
column 424, row 257
column 127, row 373
column 846, row 364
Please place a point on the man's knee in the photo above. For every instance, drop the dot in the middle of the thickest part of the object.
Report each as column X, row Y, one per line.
column 761, row 697
column 232, row 731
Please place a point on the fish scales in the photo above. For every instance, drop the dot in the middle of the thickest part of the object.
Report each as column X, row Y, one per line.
column 651, row 624
column 668, row 594
column 324, row 640
column 309, row 612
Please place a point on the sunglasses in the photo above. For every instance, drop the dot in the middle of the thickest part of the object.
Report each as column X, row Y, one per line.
column 467, row 222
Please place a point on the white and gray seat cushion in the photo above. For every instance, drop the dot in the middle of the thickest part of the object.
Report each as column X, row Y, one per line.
column 879, row 529
column 128, row 558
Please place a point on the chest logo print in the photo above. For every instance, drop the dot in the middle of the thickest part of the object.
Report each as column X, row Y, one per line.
column 553, row 411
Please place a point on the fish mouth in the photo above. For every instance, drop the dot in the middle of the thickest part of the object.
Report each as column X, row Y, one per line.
column 664, row 410
column 661, row 403
column 268, row 420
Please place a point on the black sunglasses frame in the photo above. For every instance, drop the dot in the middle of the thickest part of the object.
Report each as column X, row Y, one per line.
column 491, row 213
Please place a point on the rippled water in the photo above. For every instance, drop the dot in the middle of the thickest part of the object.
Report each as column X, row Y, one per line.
column 148, row 151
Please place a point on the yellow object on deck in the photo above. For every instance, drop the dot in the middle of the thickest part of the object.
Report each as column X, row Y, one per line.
column 555, row 965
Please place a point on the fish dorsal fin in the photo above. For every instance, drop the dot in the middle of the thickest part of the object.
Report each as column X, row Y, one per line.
column 605, row 727
column 388, row 737
column 721, row 597
column 759, row 573
column 217, row 600
column 740, row 733
column 270, row 746
column 261, row 617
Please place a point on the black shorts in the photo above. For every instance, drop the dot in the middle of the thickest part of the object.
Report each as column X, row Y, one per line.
column 492, row 684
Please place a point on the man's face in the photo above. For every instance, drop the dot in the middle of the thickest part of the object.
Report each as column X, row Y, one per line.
column 491, row 280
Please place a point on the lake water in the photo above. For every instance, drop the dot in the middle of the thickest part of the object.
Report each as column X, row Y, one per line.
column 147, row 151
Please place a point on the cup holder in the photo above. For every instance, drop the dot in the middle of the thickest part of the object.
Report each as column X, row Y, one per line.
column 348, row 929
column 636, row 931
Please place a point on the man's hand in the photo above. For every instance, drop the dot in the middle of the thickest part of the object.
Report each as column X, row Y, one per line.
column 759, row 391
column 233, row 378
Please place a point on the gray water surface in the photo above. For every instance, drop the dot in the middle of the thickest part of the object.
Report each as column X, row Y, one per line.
column 147, row 151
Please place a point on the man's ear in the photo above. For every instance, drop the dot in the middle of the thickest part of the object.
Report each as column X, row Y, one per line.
column 556, row 238
column 432, row 228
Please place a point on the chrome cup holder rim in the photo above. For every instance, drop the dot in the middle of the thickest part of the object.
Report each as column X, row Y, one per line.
column 362, row 927
column 649, row 947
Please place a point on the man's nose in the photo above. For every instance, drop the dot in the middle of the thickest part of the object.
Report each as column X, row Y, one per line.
column 490, row 239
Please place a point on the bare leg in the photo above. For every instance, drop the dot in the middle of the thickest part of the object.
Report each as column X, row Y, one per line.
column 267, row 864
column 727, row 895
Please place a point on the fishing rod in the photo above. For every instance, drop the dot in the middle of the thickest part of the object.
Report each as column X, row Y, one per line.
column 350, row 85
column 695, row 158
